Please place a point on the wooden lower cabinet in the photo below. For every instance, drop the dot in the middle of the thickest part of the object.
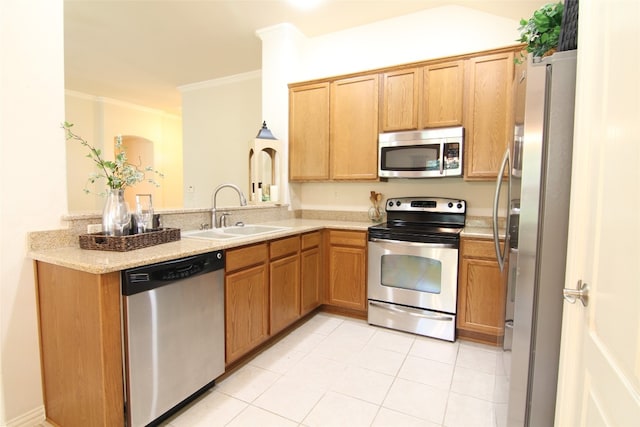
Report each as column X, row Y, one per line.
column 284, row 283
column 246, row 299
column 311, row 272
column 347, row 267
column 481, row 292
column 81, row 346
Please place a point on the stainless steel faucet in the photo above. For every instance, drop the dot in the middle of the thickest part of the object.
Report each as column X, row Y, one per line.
column 214, row 213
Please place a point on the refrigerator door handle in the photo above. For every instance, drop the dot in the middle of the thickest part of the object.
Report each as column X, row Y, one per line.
column 501, row 253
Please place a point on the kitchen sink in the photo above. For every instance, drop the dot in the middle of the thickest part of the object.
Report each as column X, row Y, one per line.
column 207, row 234
column 233, row 232
column 250, row 230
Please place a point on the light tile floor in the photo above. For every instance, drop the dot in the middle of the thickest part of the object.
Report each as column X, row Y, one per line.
column 337, row 371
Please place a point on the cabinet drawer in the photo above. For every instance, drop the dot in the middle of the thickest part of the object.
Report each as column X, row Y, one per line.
column 311, row 240
column 348, row 238
column 282, row 247
column 478, row 248
column 246, row 256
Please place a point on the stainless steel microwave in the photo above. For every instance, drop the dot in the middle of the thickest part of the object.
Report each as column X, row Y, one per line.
column 428, row 153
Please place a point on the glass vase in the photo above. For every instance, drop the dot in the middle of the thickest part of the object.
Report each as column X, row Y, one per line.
column 116, row 219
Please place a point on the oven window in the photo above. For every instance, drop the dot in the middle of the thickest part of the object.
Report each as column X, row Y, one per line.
column 412, row 272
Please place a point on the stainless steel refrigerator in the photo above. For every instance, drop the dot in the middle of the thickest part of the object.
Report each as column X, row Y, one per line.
column 537, row 191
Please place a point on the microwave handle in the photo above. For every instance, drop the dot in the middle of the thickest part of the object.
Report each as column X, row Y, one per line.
column 442, row 158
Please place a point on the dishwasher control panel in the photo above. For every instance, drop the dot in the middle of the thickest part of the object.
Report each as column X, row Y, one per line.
column 141, row 279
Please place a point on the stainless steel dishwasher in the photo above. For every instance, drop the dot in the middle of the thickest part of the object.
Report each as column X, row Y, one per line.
column 173, row 315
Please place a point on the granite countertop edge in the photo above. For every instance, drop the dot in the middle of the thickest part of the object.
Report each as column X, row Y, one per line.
column 102, row 262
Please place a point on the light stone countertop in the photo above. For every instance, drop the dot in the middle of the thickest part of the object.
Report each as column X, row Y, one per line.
column 100, row 262
column 64, row 249
column 480, row 232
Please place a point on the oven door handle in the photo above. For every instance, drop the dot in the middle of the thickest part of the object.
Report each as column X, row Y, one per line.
column 404, row 243
column 439, row 317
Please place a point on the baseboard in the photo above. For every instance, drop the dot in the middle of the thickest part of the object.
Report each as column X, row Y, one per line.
column 32, row 418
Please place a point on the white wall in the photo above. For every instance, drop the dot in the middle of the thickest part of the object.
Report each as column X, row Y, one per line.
column 429, row 34
column 99, row 120
column 219, row 117
column 33, row 186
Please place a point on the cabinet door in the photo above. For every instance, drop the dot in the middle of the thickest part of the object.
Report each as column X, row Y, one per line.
column 442, row 94
column 354, row 128
column 347, row 269
column 488, row 114
column 81, row 346
column 311, row 275
column 400, row 100
column 309, row 132
column 284, row 279
column 481, row 293
column 246, row 310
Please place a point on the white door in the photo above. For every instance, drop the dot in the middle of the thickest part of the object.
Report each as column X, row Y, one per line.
column 599, row 380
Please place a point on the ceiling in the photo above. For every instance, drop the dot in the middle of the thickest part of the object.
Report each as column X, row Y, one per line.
column 142, row 51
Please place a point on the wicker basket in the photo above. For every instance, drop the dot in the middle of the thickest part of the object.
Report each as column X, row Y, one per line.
column 102, row 242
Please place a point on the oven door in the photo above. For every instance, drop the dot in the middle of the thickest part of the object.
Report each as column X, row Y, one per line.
column 421, row 275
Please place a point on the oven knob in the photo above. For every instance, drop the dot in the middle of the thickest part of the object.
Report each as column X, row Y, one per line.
column 390, row 204
column 459, row 206
column 398, row 203
column 450, row 205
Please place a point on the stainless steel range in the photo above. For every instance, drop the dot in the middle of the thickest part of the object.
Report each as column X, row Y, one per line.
column 413, row 266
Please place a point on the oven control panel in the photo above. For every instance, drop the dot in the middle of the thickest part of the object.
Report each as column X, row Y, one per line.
column 426, row 204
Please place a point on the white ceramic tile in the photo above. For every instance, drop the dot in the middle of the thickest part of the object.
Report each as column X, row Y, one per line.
column 339, row 348
column 473, row 383
column 300, row 340
column 247, row 383
column 317, row 371
column 378, row 359
column 364, row 384
column 354, row 330
column 216, row 409
column 336, row 409
column 386, row 339
column 322, row 324
column 433, row 349
column 290, row 399
column 417, row 399
column 253, row 416
column 465, row 411
column 482, row 359
column 427, row 371
column 501, row 389
column 278, row 359
column 388, row 418
column 503, row 363
column 500, row 411
column 335, row 371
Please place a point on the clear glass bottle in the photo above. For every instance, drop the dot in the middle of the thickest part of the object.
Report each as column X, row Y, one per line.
column 116, row 219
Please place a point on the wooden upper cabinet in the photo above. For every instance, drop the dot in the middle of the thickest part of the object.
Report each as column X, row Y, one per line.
column 354, row 128
column 399, row 103
column 309, row 132
column 488, row 118
column 442, row 94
